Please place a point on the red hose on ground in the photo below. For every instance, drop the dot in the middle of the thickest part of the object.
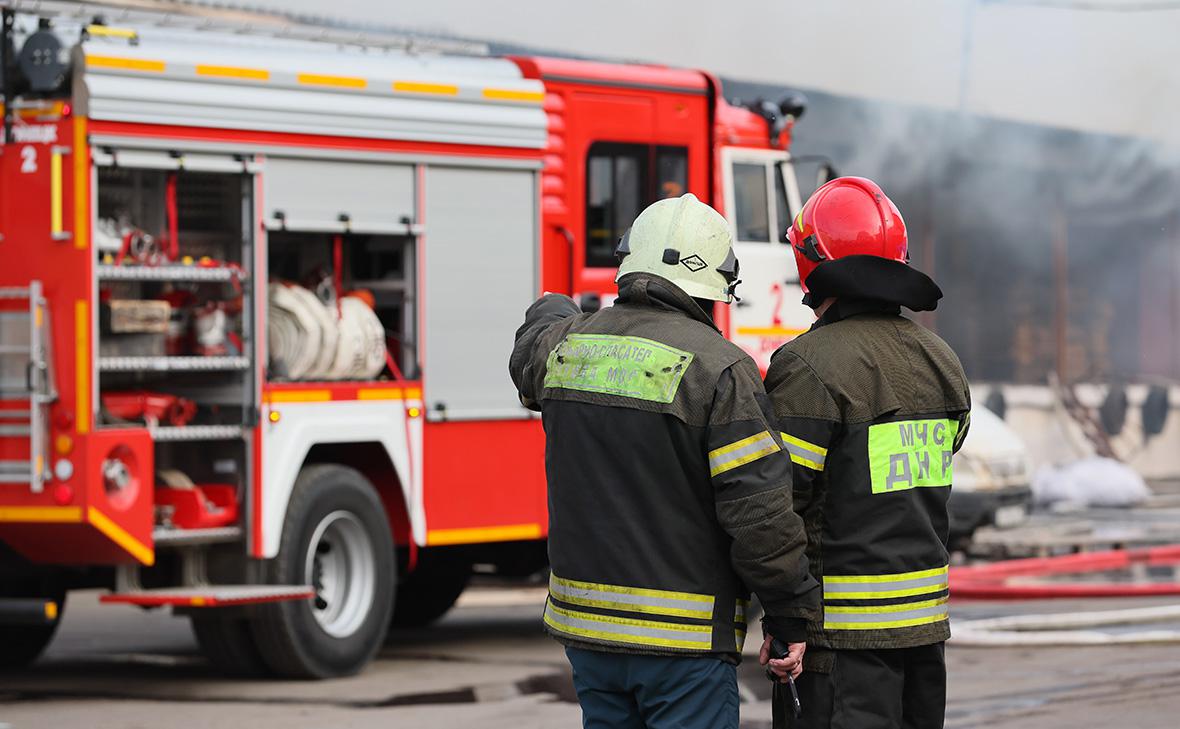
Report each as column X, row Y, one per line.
column 991, row 581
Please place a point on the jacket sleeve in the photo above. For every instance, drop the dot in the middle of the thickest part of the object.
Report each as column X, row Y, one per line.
column 526, row 365
column 808, row 419
column 964, row 425
column 751, row 477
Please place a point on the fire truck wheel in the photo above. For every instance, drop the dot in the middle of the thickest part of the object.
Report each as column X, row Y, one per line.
column 336, row 538
column 432, row 588
column 229, row 645
column 22, row 644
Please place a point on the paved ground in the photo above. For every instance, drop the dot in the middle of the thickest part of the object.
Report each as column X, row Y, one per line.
column 488, row 665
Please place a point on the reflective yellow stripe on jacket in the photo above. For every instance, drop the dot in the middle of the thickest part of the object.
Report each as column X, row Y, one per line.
column 632, row 599
column 739, row 453
column 627, row 630
column 679, row 619
column 804, row 453
column 914, row 600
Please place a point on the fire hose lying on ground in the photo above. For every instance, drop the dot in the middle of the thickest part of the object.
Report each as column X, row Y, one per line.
column 1024, row 579
column 310, row 340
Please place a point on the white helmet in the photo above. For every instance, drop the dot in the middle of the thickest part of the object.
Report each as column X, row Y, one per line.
column 686, row 242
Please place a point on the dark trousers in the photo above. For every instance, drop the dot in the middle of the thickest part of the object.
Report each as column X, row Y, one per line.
column 623, row 691
column 901, row 688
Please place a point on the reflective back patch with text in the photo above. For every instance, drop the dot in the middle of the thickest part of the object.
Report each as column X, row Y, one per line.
column 911, row 454
column 628, row 366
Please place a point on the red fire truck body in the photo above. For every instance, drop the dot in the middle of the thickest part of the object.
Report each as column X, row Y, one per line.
column 177, row 179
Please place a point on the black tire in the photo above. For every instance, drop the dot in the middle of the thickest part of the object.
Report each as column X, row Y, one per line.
column 20, row 645
column 229, row 645
column 432, row 588
column 289, row 635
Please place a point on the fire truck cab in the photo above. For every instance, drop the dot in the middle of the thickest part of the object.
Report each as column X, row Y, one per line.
column 256, row 306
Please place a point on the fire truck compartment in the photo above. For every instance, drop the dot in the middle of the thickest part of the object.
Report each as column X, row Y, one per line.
column 481, row 271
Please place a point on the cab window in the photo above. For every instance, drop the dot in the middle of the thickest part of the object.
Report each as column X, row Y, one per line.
column 751, row 210
column 781, row 207
column 621, row 180
column 757, row 219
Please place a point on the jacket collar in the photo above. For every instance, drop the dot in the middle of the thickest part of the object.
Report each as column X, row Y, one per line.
column 645, row 289
column 848, row 307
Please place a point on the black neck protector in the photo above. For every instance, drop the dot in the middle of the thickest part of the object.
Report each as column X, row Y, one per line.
column 872, row 278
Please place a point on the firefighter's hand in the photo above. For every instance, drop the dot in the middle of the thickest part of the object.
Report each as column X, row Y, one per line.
column 791, row 665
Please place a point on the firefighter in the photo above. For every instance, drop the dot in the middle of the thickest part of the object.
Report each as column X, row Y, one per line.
column 871, row 406
column 669, row 489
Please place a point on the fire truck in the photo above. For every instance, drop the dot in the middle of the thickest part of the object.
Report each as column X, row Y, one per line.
column 257, row 299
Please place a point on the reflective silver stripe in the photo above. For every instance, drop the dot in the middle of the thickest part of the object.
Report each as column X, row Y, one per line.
column 804, row 457
column 741, row 452
column 739, row 615
column 627, row 630
column 856, row 587
column 804, row 453
column 631, row 599
column 884, row 616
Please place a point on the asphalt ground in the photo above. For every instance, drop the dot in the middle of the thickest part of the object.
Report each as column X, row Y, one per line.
column 488, row 664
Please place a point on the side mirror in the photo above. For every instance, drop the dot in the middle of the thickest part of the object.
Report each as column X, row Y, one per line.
column 793, row 106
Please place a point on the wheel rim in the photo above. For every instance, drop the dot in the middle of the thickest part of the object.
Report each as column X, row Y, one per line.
column 340, row 566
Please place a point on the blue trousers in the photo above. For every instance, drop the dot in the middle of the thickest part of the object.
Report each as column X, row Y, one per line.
column 623, row 691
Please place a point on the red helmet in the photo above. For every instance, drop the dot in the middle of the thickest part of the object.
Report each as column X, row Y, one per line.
column 848, row 216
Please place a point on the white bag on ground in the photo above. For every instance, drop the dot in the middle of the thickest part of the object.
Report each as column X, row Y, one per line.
column 1090, row 482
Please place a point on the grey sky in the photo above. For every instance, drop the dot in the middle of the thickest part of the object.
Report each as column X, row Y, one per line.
column 1041, row 61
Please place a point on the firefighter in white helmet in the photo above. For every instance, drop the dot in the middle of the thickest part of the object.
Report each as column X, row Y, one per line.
column 669, row 489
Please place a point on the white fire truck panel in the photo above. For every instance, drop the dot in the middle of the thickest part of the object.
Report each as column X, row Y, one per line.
column 309, row 88
column 316, row 195
column 480, row 254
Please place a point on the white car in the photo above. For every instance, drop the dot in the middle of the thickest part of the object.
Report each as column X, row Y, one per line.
column 992, row 477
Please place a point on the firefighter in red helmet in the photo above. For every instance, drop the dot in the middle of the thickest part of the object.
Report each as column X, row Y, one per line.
column 872, row 407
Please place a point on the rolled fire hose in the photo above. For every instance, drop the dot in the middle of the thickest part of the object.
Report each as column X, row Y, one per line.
column 306, row 340
column 294, row 334
column 361, row 350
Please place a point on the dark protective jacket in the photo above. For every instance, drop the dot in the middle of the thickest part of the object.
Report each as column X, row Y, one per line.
column 872, row 406
column 669, row 489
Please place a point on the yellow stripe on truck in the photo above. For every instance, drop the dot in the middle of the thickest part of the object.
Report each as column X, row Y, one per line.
column 82, row 366
column 508, row 533
column 41, row 514
column 119, row 63
column 535, row 97
column 119, row 536
column 317, row 79
column 249, row 74
column 415, row 87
